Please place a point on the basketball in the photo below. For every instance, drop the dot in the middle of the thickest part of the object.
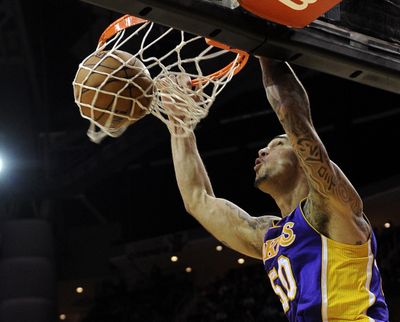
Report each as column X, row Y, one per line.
column 113, row 89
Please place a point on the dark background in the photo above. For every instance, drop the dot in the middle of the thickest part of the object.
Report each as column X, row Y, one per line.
column 124, row 190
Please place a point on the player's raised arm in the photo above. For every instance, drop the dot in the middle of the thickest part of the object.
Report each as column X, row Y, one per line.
column 330, row 190
column 224, row 220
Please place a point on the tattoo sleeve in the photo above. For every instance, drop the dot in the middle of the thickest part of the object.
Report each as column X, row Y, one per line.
column 256, row 226
column 289, row 101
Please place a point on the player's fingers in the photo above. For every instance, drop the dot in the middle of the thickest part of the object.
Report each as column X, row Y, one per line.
column 184, row 81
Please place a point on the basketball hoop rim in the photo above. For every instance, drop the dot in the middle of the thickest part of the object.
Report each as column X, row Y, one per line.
column 127, row 21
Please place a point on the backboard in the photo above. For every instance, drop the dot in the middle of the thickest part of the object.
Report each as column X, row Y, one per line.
column 326, row 44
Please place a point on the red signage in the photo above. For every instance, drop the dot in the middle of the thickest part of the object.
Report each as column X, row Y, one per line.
column 292, row 13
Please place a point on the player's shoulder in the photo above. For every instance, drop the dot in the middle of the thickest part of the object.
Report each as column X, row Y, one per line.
column 270, row 219
column 266, row 222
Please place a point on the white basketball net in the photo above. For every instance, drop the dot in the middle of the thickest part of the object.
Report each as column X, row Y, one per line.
column 178, row 53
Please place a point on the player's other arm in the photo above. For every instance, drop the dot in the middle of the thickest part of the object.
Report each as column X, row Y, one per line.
column 288, row 98
column 224, row 220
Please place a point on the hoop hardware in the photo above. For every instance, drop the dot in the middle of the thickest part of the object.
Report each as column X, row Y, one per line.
column 128, row 21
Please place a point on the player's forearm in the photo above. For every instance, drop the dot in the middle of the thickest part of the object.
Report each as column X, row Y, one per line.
column 285, row 93
column 190, row 171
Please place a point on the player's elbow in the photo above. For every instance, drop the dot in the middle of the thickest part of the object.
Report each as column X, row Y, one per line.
column 188, row 207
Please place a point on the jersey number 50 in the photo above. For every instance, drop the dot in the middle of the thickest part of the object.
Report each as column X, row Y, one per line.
column 285, row 276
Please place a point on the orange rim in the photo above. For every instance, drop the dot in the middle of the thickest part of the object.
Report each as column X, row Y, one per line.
column 128, row 21
column 118, row 25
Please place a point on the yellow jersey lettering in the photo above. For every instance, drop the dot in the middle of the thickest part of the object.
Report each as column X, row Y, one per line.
column 271, row 246
column 288, row 235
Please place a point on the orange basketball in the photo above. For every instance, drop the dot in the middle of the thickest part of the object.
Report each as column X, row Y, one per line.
column 114, row 89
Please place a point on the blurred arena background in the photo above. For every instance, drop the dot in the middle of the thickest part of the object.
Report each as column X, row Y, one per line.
column 87, row 231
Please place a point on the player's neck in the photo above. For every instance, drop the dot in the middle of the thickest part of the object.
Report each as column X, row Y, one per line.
column 289, row 200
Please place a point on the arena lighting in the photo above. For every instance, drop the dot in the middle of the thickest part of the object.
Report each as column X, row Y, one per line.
column 218, row 248
column 188, row 269
column 387, row 225
column 62, row 317
column 1, row 164
column 174, row 258
column 241, row 261
column 79, row 290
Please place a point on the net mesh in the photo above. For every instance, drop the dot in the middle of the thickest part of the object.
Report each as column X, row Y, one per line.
column 162, row 55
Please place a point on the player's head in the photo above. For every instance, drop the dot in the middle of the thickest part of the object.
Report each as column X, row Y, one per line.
column 277, row 167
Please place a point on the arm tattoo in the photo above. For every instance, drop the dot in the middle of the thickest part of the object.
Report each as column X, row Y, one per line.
column 263, row 223
column 289, row 101
column 313, row 153
column 257, row 223
column 313, row 157
column 242, row 216
column 326, row 177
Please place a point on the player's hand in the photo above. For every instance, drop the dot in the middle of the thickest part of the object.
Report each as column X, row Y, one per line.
column 178, row 96
column 174, row 89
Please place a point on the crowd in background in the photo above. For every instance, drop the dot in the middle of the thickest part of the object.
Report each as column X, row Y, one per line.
column 241, row 295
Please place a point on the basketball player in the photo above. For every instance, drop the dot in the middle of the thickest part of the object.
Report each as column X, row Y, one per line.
column 320, row 254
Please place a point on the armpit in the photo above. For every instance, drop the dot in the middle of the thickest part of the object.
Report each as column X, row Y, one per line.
column 316, row 218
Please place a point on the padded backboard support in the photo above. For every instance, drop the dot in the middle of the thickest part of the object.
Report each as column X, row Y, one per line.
column 320, row 46
column 293, row 13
